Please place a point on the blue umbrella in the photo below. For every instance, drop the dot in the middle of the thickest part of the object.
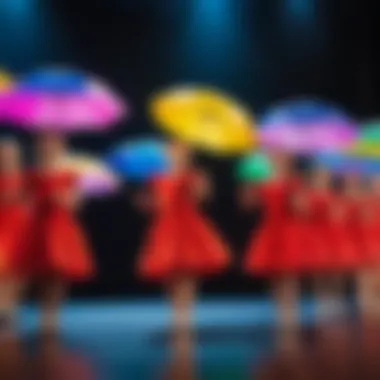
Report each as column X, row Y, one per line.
column 139, row 160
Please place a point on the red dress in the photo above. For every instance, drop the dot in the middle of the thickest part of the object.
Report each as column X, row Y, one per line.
column 282, row 241
column 365, row 229
column 333, row 246
column 344, row 252
column 14, row 222
column 321, row 253
column 58, row 245
column 180, row 241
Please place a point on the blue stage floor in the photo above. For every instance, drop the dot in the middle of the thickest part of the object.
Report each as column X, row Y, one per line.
column 130, row 340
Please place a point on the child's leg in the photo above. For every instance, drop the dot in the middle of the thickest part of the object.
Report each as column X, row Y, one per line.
column 364, row 294
column 330, row 297
column 15, row 291
column 182, row 292
column 53, row 294
column 286, row 293
column 322, row 292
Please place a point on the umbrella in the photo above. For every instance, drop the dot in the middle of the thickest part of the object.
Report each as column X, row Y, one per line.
column 6, row 85
column 305, row 126
column 342, row 162
column 255, row 167
column 95, row 179
column 368, row 141
column 139, row 159
column 204, row 118
column 64, row 100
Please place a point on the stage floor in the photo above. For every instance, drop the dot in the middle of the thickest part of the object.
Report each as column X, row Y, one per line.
column 131, row 339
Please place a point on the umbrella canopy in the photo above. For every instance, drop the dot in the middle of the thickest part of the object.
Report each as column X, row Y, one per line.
column 340, row 162
column 64, row 100
column 368, row 141
column 306, row 126
column 204, row 118
column 255, row 167
column 6, row 86
column 95, row 179
column 140, row 159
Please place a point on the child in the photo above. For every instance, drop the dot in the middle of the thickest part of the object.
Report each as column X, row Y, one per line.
column 182, row 246
column 59, row 252
column 277, row 248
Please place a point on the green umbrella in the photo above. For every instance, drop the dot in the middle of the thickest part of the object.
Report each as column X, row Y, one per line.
column 255, row 167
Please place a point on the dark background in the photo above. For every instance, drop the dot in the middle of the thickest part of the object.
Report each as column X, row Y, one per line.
column 258, row 50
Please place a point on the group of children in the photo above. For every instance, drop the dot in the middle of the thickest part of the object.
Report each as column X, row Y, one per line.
column 308, row 229
column 321, row 226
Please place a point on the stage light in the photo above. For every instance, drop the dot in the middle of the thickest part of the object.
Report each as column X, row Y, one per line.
column 27, row 33
column 302, row 23
column 300, row 8
column 213, row 15
column 213, row 38
column 299, row 14
column 19, row 9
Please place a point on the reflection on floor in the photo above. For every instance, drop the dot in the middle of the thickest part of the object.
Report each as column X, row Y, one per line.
column 133, row 341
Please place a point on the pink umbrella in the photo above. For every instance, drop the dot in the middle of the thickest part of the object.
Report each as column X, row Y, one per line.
column 63, row 100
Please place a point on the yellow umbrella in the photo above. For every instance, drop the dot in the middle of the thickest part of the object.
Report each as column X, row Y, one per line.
column 6, row 81
column 204, row 118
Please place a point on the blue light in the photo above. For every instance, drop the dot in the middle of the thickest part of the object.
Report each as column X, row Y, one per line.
column 19, row 9
column 300, row 9
column 213, row 15
column 302, row 23
column 213, row 39
column 33, row 33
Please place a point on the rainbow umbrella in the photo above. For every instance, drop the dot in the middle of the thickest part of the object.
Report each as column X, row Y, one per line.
column 139, row 159
column 306, row 126
column 255, row 167
column 204, row 118
column 64, row 100
column 95, row 179
column 368, row 141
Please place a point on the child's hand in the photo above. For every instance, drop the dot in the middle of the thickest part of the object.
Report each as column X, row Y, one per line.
column 202, row 186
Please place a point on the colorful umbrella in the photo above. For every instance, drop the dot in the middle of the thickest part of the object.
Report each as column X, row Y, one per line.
column 139, row 159
column 6, row 85
column 306, row 126
column 339, row 162
column 95, row 179
column 204, row 118
column 64, row 100
column 368, row 142
column 255, row 167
